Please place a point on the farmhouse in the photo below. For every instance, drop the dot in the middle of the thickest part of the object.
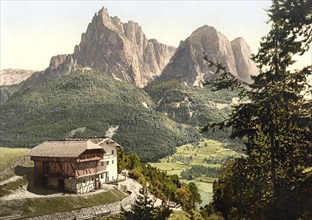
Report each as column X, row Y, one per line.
column 75, row 165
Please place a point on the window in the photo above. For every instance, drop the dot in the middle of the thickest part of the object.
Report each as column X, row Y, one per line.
column 102, row 176
column 113, row 152
column 107, row 162
column 92, row 179
column 112, row 161
column 84, row 181
column 102, row 164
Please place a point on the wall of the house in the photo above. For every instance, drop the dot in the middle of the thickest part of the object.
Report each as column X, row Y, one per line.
column 86, row 168
column 108, row 163
column 38, row 169
column 85, row 184
column 46, row 166
column 71, row 185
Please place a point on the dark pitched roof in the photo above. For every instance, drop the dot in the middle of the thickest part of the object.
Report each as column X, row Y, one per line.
column 67, row 148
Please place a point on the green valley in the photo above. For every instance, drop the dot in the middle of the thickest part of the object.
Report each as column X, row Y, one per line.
column 199, row 162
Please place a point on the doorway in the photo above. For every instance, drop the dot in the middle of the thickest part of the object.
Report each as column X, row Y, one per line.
column 61, row 184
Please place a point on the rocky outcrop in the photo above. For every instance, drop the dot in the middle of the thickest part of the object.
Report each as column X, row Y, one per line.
column 119, row 49
column 188, row 66
column 14, row 76
column 244, row 65
column 60, row 65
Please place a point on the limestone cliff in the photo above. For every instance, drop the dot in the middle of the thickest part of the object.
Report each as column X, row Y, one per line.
column 244, row 65
column 188, row 66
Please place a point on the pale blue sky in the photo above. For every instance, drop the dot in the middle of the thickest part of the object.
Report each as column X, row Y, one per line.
column 34, row 31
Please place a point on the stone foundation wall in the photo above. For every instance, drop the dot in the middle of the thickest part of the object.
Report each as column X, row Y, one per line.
column 86, row 184
column 71, row 185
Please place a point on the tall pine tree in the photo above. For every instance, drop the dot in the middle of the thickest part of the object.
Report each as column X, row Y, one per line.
column 276, row 125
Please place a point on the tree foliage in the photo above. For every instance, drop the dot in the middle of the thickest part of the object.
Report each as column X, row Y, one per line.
column 275, row 123
column 167, row 188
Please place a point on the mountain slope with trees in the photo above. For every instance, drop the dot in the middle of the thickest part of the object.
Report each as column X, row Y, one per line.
column 86, row 104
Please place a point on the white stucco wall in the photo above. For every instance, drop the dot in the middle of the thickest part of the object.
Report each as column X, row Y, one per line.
column 109, row 162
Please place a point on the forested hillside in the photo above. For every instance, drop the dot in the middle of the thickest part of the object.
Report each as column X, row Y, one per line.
column 191, row 105
column 86, row 104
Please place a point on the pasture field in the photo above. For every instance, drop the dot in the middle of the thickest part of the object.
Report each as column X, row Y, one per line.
column 9, row 156
column 197, row 154
column 194, row 154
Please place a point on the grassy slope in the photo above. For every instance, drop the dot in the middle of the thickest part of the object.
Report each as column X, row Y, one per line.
column 44, row 206
column 94, row 101
column 9, row 156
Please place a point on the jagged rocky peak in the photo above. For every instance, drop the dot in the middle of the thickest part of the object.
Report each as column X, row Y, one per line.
column 245, row 66
column 119, row 49
column 116, row 48
column 57, row 60
column 122, row 50
column 188, row 66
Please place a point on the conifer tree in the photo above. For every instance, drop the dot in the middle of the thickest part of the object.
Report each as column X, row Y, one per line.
column 275, row 124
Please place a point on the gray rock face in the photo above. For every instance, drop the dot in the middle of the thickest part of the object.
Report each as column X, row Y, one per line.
column 119, row 49
column 60, row 65
column 245, row 66
column 122, row 50
column 187, row 64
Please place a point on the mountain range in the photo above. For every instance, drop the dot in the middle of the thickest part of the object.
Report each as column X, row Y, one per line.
column 99, row 86
column 123, row 51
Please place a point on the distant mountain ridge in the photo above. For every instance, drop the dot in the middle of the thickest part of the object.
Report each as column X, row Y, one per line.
column 118, row 49
column 122, row 51
column 14, row 76
column 188, row 66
